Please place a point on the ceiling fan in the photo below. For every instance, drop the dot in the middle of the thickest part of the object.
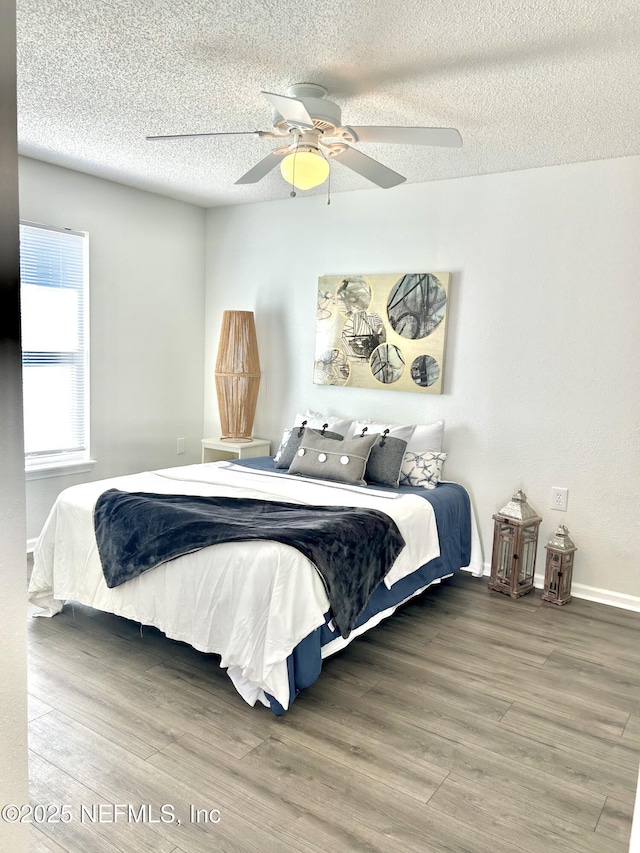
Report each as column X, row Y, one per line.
column 310, row 128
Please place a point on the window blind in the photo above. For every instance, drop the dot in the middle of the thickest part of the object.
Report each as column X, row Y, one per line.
column 54, row 305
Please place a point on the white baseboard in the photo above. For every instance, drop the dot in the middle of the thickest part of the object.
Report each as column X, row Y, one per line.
column 606, row 596
column 589, row 593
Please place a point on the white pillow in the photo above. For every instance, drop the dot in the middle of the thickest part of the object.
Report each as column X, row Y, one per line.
column 404, row 433
column 427, row 437
column 422, row 469
column 309, row 414
column 314, row 420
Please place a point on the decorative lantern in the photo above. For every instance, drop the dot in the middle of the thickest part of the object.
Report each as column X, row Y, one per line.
column 515, row 541
column 559, row 567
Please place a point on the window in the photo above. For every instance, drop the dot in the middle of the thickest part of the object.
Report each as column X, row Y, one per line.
column 55, row 364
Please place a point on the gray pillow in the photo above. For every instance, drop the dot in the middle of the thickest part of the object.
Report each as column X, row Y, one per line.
column 385, row 461
column 328, row 459
column 287, row 451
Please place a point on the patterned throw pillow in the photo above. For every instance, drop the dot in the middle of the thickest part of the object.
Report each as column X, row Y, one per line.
column 328, row 459
column 422, row 469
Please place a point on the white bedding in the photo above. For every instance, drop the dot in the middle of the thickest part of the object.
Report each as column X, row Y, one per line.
column 249, row 602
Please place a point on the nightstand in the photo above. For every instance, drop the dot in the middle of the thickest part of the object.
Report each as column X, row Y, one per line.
column 216, row 450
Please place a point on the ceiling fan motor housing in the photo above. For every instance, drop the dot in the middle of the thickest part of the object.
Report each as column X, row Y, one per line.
column 326, row 115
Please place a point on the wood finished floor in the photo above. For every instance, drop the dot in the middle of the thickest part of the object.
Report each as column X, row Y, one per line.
column 467, row 723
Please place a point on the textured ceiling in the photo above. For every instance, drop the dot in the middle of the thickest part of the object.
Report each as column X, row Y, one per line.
column 526, row 82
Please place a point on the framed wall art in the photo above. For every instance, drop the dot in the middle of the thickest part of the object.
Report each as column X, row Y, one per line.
column 382, row 331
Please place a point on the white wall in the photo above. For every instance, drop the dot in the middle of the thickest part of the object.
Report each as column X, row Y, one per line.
column 147, row 329
column 13, row 567
column 542, row 367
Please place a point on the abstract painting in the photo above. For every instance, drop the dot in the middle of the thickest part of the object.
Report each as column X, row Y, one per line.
column 382, row 331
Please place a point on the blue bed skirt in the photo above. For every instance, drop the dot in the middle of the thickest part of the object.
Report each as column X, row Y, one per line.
column 452, row 510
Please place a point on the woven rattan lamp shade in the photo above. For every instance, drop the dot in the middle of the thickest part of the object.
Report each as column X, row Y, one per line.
column 237, row 375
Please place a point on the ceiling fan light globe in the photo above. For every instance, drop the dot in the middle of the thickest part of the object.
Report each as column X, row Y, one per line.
column 304, row 169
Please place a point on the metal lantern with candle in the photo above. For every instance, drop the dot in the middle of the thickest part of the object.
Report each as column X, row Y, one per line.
column 559, row 567
column 515, row 542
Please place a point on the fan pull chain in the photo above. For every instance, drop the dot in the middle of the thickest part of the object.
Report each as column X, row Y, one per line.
column 293, row 173
column 329, row 186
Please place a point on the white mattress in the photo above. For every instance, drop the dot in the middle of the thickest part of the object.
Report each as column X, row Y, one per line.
column 249, row 602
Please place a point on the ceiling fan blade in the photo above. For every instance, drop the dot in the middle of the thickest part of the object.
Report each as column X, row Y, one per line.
column 262, row 168
column 445, row 136
column 369, row 168
column 203, row 135
column 292, row 110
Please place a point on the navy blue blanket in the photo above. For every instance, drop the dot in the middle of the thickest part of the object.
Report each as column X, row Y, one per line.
column 352, row 548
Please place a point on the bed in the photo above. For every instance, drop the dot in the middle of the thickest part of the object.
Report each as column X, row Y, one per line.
column 260, row 605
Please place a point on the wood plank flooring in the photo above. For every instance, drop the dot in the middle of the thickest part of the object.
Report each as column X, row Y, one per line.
column 467, row 723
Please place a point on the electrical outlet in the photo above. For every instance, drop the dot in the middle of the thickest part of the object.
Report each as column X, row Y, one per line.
column 181, row 446
column 559, row 498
